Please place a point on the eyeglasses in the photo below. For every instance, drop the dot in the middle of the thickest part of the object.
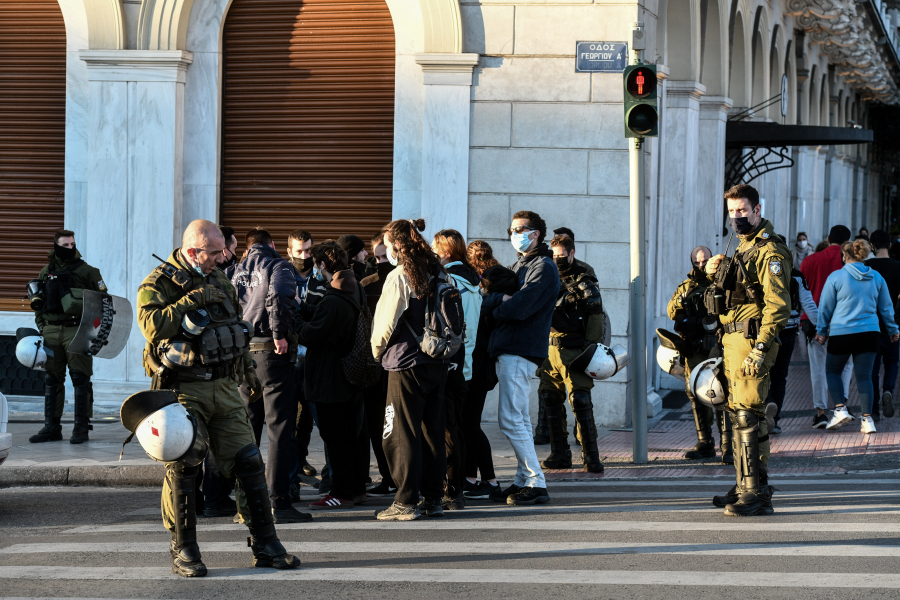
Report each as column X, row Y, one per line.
column 209, row 251
column 521, row 229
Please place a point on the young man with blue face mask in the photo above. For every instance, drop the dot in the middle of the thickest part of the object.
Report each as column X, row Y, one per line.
column 519, row 344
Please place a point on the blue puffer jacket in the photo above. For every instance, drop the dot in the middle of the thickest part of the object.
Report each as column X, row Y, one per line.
column 266, row 287
column 523, row 321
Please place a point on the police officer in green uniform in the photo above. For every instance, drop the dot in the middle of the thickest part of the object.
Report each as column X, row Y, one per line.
column 688, row 311
column 577, row 323
column 752, row 297
column 206, row 369
column 64, row 279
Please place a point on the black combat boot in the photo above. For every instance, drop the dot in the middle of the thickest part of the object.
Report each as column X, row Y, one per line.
column 723, row 421
column 560, row 455
column 263, row 541
column 753, row 500
column 541, row 433
column 587, row 428
column 705, row 447
column 82, row 393
column 52, row 429
column 186, row 559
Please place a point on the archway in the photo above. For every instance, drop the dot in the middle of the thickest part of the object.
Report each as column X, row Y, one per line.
column 307, row 123
column 737, row 80
column 679, row 40
column 759, row 93
column 775, row 75
column 711, row 61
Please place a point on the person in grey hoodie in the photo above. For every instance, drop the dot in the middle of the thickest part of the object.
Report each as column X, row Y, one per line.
column 852, row 300
column 519, row 343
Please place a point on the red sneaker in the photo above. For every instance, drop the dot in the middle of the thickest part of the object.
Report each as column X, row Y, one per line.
column 330, row 502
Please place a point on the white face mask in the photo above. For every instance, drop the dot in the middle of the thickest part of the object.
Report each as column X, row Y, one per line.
column 802, row 244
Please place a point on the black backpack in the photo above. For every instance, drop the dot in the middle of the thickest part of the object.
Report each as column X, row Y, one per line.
column 445, row 323
column 359, row 366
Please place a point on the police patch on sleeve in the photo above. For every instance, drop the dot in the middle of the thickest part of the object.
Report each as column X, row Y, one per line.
column 101, row 285
column 775, row 266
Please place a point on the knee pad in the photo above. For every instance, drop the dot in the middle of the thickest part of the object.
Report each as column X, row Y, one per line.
column 79, row 378
column 550, row 399
column 183, row 471
column 248, row 464
column 744, row 419
column 581, row 399
column 50, row 380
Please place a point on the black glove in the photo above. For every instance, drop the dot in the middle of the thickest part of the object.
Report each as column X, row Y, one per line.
column 809, row 330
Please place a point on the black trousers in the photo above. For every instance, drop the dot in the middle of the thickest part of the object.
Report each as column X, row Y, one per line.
column 339, row 426
column 414, row 432
column 779, row 372
column 216, row 487
column 478, row 447
column 303, row 431
column 454, row 439
column 374, row 398
column 278, row 411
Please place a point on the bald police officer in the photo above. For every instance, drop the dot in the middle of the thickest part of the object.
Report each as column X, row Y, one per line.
column 206, row 369
column 64, row 279
column 752, row 297
column 688, row 311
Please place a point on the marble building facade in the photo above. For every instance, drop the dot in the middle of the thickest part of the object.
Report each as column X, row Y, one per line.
column 491, row 118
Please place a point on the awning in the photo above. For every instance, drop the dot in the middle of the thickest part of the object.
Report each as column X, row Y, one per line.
column 773, row 135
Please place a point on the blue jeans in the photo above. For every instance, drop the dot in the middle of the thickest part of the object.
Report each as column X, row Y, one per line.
column 514, row 373
column 862, row 368
column 889, row 353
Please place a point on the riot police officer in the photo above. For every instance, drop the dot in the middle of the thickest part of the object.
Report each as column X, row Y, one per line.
column 697, row 329
column 58, row 314
column 577, row 323
column 197, row 344
column 752, row 298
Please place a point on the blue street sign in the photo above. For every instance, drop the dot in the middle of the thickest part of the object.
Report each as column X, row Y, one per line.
column 601, row 57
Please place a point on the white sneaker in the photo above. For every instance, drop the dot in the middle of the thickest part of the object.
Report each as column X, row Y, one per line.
column 840, row 418
column 867, row 425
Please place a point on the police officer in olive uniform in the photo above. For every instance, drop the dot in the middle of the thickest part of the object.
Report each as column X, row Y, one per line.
column 753, row 300
column 64, row 279
column 206, row 369
column 577, row 323
column 688, row 311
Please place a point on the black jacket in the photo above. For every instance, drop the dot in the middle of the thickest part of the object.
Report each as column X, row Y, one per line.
column 328, row 337
column 266, row 287
column 494, row 280
column 374, row 283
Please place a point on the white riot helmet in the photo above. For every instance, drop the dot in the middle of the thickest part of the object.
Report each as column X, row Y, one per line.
column 706, row 383
column 166, row 430
column 601, row 362
column 670, row 353
column 30, row 349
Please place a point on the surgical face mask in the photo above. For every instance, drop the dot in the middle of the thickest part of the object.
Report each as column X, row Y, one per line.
column 391, row 258
column 520, row 241
column 318, row 274
column 64, row 253
column 802, row 244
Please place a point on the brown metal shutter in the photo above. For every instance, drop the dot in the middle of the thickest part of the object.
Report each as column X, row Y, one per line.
column 308, row 105
column 32, row 140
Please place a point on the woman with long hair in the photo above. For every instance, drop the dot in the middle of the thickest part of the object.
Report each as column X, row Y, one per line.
column 413, row 437
column 852, row 300
column 450, row 246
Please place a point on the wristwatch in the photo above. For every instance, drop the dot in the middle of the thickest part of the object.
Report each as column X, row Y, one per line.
column 761, row 347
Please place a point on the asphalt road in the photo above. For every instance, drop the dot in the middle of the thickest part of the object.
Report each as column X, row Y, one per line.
column 831, row 537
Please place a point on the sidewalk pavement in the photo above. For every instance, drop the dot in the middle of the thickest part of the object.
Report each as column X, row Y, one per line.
column 798, row 450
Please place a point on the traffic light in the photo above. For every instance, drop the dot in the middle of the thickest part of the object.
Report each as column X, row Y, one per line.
column 641, row 114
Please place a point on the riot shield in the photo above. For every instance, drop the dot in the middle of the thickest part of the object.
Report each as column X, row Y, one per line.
column 105, row 326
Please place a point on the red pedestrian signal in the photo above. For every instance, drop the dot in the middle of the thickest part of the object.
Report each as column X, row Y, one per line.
column 641, row 113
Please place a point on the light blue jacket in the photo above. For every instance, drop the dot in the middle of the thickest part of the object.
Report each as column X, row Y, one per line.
column 471, row 301
column 852, row 300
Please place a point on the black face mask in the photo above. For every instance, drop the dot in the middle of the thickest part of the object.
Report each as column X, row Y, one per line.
column 562, row 263
column 64, row 254
column 228, row 263
column 699, row 274
column 302, row 264
column 741, row 225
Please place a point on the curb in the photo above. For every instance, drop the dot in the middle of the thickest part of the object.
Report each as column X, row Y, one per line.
column 125, row 476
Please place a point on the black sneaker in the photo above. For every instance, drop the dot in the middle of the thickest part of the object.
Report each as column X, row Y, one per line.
column 820, row 421
column 481, row 491
column 499, row 495
column 887, row 404
column 290, row 515
column 455, row 503
column 431, row 507
column 529, row 495
column 381, row 490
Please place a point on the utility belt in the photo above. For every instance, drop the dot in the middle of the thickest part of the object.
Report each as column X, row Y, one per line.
column 269, row 346
column 164, row 377
column 67, row 322
column 205, row 373
column 749, row 327
column 574, row 340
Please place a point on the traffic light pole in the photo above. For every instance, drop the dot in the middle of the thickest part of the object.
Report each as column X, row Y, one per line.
column 638, row 282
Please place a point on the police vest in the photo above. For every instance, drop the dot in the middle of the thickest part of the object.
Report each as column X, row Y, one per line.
column 579, row 298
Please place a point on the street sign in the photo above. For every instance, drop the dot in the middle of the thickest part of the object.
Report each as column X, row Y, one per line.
column 601, row 57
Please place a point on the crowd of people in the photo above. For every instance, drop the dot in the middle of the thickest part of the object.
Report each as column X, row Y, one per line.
column 393, row 354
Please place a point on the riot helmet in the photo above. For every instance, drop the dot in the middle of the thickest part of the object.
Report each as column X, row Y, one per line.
column 601, row 362
column 671, row 352
column 706, row 383
column 31, row 350
column 165, row 429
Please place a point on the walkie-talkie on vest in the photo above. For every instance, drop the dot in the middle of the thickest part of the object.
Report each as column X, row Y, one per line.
column 178, row 276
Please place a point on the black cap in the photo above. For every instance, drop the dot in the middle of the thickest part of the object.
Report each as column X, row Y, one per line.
column 138, row 407
column 352, row 244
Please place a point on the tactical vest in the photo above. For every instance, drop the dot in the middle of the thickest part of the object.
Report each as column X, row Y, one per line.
column 224, row 339
column 578, row 299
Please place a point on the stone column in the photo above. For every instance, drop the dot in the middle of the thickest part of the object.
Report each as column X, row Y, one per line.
column 710, row 209
column 445, row 139
column 134, row 187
